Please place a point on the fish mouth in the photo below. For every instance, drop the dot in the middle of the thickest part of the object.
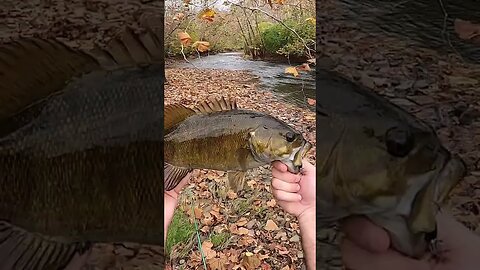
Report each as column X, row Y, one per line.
column 294, row 162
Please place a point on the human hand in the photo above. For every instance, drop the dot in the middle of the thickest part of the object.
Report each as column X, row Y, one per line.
column 295, row 193
column 367, row 246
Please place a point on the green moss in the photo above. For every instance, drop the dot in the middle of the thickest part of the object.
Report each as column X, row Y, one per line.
column 179, row 231
column 220, row 239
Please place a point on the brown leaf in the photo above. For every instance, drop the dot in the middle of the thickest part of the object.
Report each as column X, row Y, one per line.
column 241, row 222
column 250, row 261
column 201, row 46
column 311, row 101
column 178, row 16
column 251, row 183
column 198, row 212
column 271, row 226
column 280, row 2
column 242, row 231
column 304, row 67
column 207, row 250
column 466, row 30
column 285, row 268
column 185, row 38
column 271, row 203
column 291, row 70
column 217, row 264
column 231, row 195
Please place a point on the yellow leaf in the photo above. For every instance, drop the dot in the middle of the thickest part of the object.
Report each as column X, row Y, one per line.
column 280, row 2
column 201, row 46
column 207, row 14
column 291, row 70
column 271, row 226
column 185, row 38
column 311, row 20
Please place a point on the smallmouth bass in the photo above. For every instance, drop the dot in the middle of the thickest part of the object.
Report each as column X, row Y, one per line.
column 218, row 135
column 376, row 159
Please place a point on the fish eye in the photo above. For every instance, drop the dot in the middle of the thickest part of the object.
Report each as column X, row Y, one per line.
column 399, row 142
column 290, row 136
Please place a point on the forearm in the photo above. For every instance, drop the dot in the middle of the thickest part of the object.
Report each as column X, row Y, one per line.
column 169, row 210
column 307, row 232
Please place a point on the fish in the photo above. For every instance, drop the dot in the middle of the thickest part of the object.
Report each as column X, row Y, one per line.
column 81, row 147
column 377, row 160
column 218, row 135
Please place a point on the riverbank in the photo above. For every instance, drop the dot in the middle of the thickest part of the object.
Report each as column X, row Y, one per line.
column 249, row 221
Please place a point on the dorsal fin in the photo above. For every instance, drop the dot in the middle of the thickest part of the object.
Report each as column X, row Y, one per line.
column 33, row 68
column 174, row 114
column 216, row 105
column 130, row 49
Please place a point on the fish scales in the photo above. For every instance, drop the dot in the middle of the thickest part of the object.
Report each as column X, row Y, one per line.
column 190, row 145
column 82, row 158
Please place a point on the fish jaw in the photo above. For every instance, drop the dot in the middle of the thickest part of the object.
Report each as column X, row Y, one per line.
column 294, row 161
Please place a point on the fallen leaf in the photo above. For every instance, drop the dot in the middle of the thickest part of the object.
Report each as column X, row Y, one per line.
column 271, row 203
column 251, row 183
column 271, row 226
column 291, row 70
column 311, row 101
column 241, row 222
column 178, row 16
column 207, row 14
column 270, row 3
column 207, row 250
column 466, row 30
column 201, row 46
column 280, row 2
column 250, row 261
column 231, row 194
column 185, row 38
column 303, row 67
column 217, row 264
column 242, row 231
column 198, row 212
column 311, row 20
column 285, row 268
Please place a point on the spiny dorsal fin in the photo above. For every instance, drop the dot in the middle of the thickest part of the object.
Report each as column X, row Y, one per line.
column 130, row 49
column 32, row 69
column 216, row 105
column 174, row 114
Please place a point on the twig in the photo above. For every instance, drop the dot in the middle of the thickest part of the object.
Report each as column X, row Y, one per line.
column 279, row 21
column 445, row 35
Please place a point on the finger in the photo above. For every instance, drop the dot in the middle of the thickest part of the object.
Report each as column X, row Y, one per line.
column 279, row 166
column 286, row 176
column 285, row 186
column 281, row 195
column 366, row 234
column 356, row 258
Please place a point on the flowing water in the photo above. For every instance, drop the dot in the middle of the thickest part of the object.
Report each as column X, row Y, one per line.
column 271, row 75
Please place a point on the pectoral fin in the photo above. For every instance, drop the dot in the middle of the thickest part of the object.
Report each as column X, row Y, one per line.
column 20, row 249
column 173, row 175
column 236, row 180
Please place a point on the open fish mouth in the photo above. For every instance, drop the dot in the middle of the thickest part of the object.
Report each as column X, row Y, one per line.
column 294, row 162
